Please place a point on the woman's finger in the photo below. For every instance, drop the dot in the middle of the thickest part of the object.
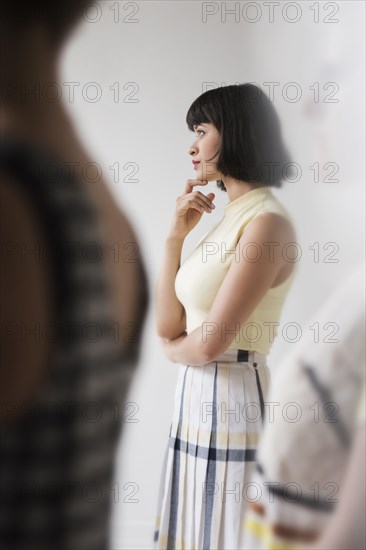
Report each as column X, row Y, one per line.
column 202, row 204
column 190, row 184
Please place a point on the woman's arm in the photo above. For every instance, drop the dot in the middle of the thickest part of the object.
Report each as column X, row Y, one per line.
column 170, row 313
column 243, row 288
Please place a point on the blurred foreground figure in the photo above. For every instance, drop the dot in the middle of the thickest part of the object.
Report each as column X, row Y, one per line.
column 346, row 528
column 313, row 426
column 72, row 306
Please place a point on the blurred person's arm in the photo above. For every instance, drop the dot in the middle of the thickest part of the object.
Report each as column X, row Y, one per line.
column 170, row 313
column 26, row 305
column 129, row 279
column 346, row 527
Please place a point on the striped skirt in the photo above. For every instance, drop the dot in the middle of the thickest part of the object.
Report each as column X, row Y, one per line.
column 211, row 452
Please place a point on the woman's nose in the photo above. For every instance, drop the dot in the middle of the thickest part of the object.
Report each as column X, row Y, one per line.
column 192, row 150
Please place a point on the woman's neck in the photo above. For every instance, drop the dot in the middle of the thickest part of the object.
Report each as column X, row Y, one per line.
column 236, row 189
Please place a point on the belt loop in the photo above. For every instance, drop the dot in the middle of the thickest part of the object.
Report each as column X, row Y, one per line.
column 243, row 355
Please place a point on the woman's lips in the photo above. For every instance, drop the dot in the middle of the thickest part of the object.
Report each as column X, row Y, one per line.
column 195, row 164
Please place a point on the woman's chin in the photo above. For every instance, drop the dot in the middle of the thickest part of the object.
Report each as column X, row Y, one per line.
column 201, row 175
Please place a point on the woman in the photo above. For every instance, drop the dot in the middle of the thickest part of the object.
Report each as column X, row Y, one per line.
column 217, row 315
column 68, row 303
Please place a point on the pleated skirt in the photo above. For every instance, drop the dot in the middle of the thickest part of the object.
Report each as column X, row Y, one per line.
column 210, row 455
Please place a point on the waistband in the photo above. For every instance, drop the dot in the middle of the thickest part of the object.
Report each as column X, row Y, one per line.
column 232, row 355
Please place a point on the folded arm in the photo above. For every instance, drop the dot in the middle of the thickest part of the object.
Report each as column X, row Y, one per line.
column 248, row 280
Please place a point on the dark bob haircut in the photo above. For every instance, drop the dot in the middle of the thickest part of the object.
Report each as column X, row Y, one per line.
column 251, row 146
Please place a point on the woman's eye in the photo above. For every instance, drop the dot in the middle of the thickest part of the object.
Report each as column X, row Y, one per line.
column 200, row 132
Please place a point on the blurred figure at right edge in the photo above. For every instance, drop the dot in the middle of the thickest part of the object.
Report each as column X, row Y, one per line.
column 315, row 426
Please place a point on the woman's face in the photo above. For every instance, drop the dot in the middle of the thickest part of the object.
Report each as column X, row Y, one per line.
column 205, row 151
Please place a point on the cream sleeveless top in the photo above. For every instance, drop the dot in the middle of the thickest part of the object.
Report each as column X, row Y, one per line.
column 201, row 274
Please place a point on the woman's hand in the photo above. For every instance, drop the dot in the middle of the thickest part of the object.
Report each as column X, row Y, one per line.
column 189, row 209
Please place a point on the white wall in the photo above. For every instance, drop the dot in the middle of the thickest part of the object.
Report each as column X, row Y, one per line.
column 169, row 52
